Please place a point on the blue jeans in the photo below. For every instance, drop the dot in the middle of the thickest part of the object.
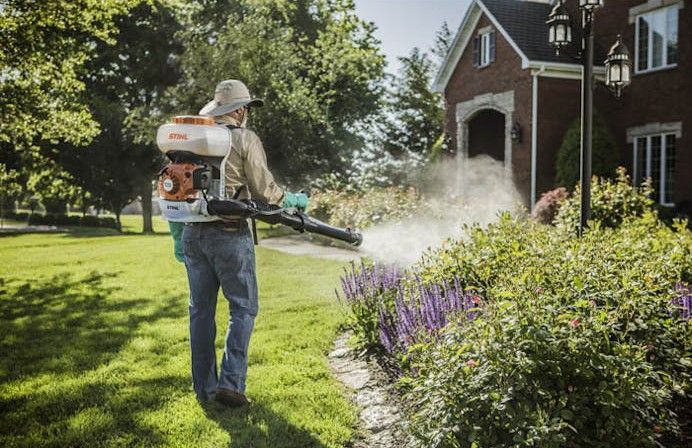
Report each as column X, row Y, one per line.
column 220, row 257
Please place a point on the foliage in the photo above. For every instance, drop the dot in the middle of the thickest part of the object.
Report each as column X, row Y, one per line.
column 365, row 208
column 578, row 344
column 95, row 348
column 410, row 130
column 53, row 186
column 417, row 115
column 611, row 202
column 389, row 312
column 45, row 45
column 125, row 81
column 546, row 208
column 9, row 189
column 366, row 291
column 315, row 63
column 604, row 153
column 57, row 219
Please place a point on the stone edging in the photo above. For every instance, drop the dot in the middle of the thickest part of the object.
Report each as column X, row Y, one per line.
column 381, row 423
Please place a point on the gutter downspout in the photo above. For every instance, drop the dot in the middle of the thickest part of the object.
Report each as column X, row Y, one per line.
column 534, row 132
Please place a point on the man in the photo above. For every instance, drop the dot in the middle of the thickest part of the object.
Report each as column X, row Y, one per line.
column 222, row 254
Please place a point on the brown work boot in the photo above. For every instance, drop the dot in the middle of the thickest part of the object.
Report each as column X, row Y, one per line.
column 231, row 398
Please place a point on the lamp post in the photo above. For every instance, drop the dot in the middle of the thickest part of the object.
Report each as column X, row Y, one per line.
column 618, row 72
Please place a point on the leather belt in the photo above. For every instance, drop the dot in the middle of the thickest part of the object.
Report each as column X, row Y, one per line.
column 236, row 224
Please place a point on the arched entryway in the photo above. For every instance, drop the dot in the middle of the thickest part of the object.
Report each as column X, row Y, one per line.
column 486, row 134
column 484, row 126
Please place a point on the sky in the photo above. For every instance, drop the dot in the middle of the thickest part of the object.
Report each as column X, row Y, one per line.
column 404, row 24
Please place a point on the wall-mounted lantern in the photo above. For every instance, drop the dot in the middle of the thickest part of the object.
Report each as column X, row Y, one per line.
column 516, row 133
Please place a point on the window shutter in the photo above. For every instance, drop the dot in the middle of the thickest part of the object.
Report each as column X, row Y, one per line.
column 476, row 51
column 491, row 38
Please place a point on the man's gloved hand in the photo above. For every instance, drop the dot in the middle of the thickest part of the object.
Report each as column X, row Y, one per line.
column 297, row 200
column 177, row 234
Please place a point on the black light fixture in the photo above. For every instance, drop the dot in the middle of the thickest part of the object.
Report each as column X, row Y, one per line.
column 559, row 27
column 618, row 67
column 618, row 76
column 516, row 133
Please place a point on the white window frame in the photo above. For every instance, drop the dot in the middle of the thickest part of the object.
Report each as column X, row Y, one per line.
column 484, row 49
column 660, row 188
column 649, row 50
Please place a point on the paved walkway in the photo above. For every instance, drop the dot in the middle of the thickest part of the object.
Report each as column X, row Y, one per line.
column 302, row 245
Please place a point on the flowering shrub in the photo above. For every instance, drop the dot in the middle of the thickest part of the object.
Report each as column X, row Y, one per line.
column 611, row 202
column 421, row 312
column 367, row 290
column 682, row 303
column 582, row 343
column 388, row 312
column 364, row 208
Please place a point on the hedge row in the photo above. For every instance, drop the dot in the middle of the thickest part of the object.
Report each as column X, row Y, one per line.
column 52, row 219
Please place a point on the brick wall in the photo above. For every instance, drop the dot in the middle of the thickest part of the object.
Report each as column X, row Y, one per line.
column 559, row 104
column 660, row 96
column 504, row 74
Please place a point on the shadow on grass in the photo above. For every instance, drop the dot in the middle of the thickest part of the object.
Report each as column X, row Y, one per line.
column 98, row 412
column 257, row 426
column 65, row 325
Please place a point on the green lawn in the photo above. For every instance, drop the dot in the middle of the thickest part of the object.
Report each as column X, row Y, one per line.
column 94, row 343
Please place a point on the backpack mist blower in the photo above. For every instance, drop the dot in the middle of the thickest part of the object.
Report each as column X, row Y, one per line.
column 192, row 189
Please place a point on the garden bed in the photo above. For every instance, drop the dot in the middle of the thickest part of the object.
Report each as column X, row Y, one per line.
column 524, row 334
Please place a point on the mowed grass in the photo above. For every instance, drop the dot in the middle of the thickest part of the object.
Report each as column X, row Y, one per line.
column 94, row 349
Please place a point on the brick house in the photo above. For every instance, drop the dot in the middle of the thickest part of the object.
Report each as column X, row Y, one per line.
column 509, row 96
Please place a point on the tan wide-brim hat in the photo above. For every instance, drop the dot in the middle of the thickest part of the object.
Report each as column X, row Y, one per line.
column 230, row 95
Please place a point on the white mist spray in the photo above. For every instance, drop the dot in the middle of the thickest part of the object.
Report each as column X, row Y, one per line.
column 473, row 193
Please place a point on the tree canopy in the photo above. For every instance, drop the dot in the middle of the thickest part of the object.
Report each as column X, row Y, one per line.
column 45, row 44
column 87, row 82
column 314, row 62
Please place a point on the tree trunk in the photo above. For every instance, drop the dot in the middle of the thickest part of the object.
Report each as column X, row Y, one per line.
column 147, row 226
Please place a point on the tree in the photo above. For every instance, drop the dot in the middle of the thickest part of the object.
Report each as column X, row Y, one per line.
column 410, row 128
column 124, row 82
column 45, row 45
column 443, row 41
column 604, row 153
column 418, row 116
column 9, row 189
column 104, row 169
column 316, row 64
column 54, row 186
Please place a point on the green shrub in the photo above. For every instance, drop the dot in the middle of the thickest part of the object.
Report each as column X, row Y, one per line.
column 578, row 345
column 52, row 219
column 604, row 153
column 365, row 208
column 611, row 202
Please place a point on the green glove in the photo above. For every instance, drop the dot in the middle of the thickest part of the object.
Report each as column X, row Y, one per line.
column 297, row 200
column 177, row 234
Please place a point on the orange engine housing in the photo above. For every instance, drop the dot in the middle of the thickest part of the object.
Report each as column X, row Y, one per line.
column 176, row 182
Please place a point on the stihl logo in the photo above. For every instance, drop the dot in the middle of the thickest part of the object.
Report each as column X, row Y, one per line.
column 177, row 136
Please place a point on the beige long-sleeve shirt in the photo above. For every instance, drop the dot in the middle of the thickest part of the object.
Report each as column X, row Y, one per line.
column 247, row 165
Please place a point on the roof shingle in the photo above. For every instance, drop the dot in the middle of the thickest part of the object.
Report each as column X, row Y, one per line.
column 525, row 22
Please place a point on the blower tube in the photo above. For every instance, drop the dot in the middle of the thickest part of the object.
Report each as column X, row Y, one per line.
column 271, row 214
